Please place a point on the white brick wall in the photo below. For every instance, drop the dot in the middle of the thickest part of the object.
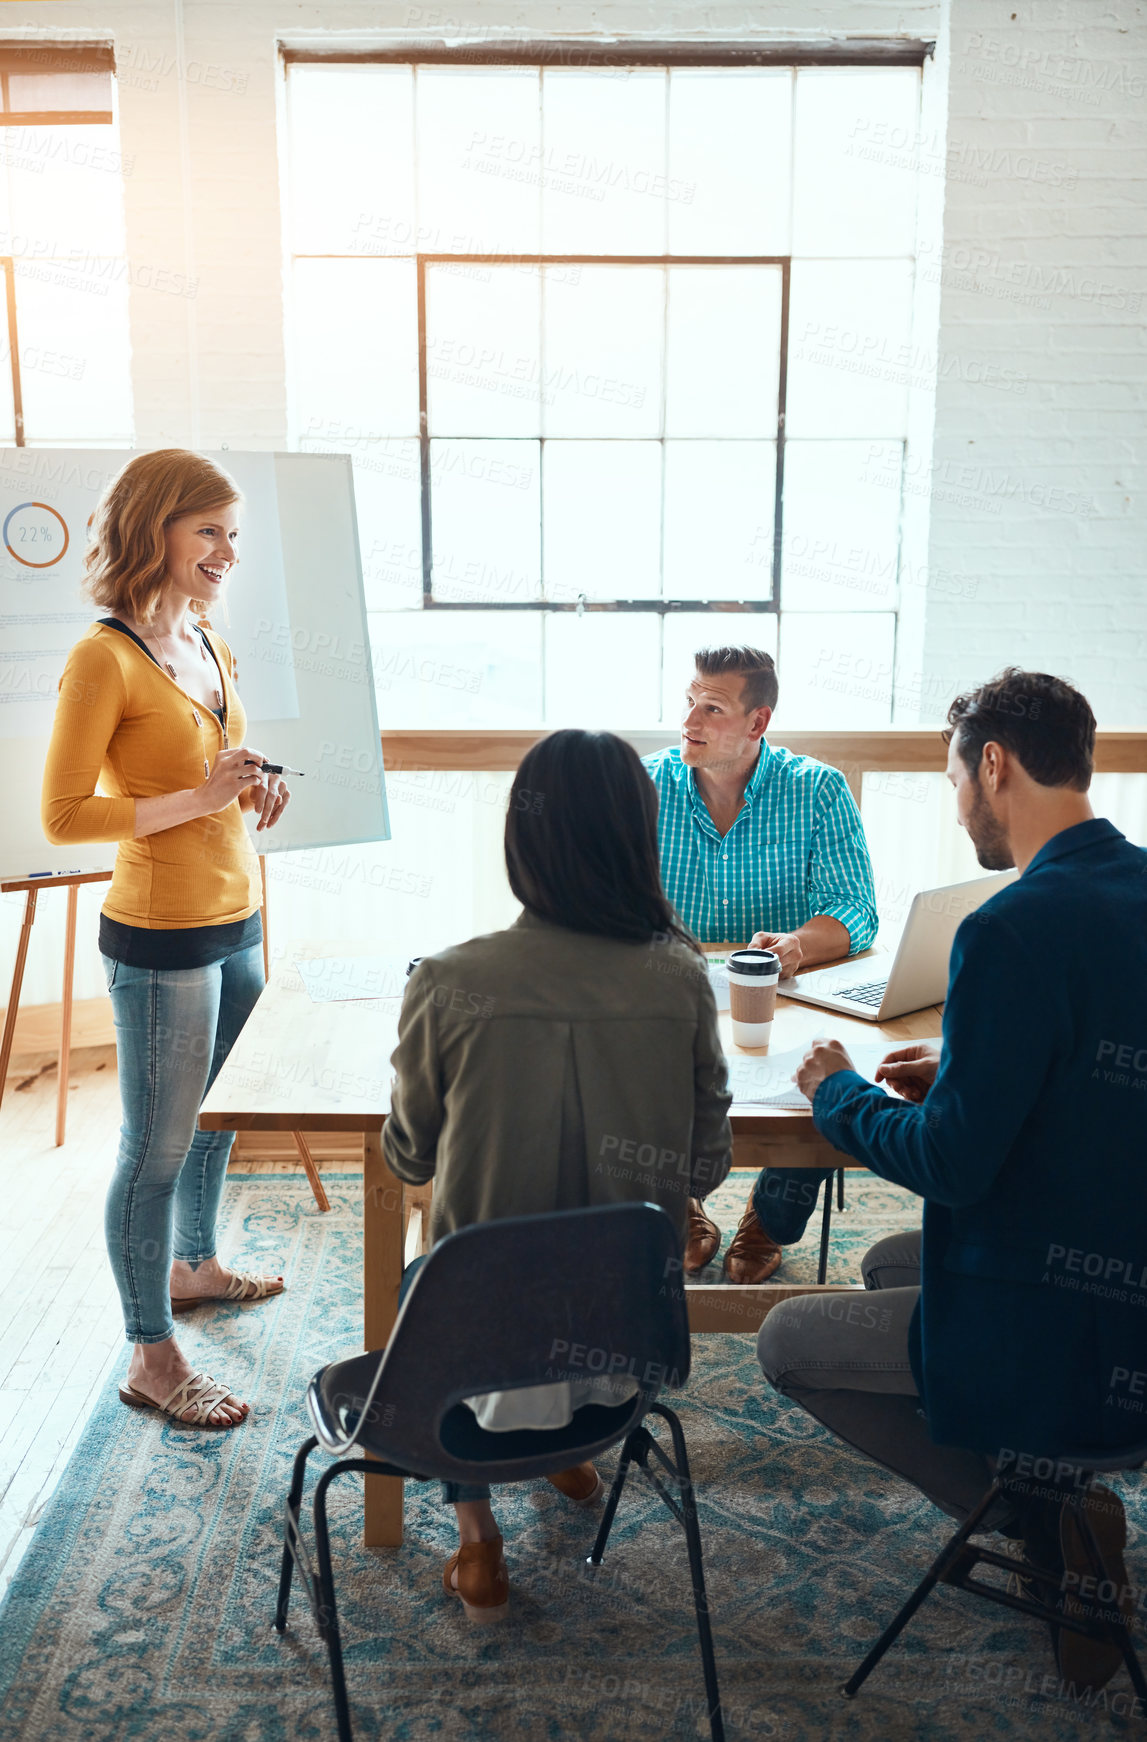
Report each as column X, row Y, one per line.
column 1035, row 555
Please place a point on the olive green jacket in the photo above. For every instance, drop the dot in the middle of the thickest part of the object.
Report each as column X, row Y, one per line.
column 545, row 1069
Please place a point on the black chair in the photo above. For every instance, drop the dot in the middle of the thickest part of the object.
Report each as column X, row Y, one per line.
column 497, row 1307
column 957, row 1561
column 826, row 1220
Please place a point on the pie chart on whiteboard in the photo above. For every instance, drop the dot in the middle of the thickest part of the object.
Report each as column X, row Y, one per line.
column 35, row 535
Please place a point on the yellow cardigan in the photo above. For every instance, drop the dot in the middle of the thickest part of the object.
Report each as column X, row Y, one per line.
column 122, row 721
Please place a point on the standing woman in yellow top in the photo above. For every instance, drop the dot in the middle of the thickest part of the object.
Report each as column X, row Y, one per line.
column 148, row 708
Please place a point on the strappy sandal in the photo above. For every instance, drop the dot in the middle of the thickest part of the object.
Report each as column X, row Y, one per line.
column 200, row 1393
column 236, row 1290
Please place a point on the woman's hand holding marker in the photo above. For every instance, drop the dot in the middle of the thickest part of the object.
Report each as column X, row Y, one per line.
column 237, row 775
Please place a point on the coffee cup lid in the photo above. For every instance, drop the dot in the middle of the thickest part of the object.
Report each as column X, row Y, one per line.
column 763, row 962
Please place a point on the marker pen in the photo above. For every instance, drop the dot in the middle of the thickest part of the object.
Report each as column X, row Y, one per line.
column 273, row 767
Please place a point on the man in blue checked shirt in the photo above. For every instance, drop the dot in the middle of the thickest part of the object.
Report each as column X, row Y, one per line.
column 762, row 847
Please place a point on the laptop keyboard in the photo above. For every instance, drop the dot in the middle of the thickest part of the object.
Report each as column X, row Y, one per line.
column 872, row 994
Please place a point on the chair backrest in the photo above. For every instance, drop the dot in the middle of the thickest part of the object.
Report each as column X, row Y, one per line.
column 529, row 1300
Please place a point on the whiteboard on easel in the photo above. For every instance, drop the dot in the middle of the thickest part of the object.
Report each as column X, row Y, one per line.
column 295, row 619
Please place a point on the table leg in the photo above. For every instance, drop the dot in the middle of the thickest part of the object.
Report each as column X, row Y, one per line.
column 382, row 1271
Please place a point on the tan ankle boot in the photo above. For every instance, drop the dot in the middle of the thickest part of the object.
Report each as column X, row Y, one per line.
column 476, row 1573
column 582, row 1484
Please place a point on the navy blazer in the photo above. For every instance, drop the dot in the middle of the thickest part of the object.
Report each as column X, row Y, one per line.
column 1030, row 1153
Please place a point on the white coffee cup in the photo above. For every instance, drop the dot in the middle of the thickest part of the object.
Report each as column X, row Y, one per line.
column 753, row 977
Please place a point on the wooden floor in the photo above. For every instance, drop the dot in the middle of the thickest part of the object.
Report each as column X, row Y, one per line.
column 61, row 1332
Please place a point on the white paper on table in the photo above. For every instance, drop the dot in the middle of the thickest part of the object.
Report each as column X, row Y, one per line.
column 719, row 980
column 335, row 979
column 767, row 1080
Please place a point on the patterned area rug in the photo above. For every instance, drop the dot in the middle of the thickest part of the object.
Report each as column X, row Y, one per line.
column 143, row 1607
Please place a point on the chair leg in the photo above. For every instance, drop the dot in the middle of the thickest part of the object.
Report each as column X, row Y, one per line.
column 627, row 1452
column 328, row 1611
column 840, row 1188
column 294, row 1500
column 1118, row 1629
column 948, row 1554
column 696, row 1569
column 825, row 1227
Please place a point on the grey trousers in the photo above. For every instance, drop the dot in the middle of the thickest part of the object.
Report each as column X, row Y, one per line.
column 844, row 1359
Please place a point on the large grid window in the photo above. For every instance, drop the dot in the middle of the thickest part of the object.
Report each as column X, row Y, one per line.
column 65, row 380
column 623, row 357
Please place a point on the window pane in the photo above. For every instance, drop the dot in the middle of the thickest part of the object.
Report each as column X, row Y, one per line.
column 723, row 351
column 388, row 504
column 604, row 158
column 31, row 92
column 854, row 160
column 601, row 347
column 602, row 524
column 356, row 374
column 841, row 526
column 485, row 514
column 483, row 366
column 74, row 351
column 720, row 499
column 457, row 668
column 352, row 161
column 687, row 631
column 729, row 147
column 479, row 160
column 65, row 191
column 835, row 670
column 602, row 670
column 849, row 348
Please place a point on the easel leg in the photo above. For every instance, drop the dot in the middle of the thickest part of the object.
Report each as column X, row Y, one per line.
column 311, row 1171
column 17, row 981
column 382, row 1272
column 66, row 1015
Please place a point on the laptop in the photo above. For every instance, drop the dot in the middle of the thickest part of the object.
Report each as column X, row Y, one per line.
column 919, row 972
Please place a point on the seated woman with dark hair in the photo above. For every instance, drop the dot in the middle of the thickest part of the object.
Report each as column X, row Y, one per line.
column 531, row 1062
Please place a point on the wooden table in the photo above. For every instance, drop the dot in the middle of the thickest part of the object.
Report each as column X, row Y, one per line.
column 302, row 1066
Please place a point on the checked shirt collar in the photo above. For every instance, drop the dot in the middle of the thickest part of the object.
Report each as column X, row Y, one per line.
column 701, row 816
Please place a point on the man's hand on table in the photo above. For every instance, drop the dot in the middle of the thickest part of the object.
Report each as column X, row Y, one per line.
column 784, row 944
column 822, row 1060
column 911, row 1069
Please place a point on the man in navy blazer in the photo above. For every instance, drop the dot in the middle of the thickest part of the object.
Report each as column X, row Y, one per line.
column 1015, row 1327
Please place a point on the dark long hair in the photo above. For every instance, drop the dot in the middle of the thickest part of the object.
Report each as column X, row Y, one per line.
column 581, row 839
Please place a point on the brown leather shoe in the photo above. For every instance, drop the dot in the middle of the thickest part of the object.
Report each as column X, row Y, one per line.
column 753, row 1255
column 702, row 1239
column 476, row 1573
column 582, row 1484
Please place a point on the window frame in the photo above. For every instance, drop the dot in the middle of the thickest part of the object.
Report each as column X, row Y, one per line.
column 43, row 57
column 662, row 607
column 561, row 52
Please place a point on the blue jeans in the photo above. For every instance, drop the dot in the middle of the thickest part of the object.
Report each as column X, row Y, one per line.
column 174, row 1028
column 452, row 1492
column 784, row 1199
